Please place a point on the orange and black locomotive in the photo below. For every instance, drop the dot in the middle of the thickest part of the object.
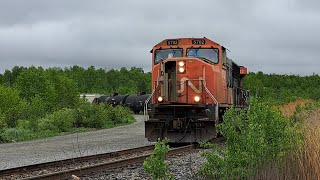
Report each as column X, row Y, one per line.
column 193, row 82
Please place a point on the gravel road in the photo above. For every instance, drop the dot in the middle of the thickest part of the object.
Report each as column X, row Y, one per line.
column 73, row 145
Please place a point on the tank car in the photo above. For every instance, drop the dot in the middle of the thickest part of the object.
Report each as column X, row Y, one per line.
column 116, row 100
column 193, row 83
column 135, row 103
column 100, row 99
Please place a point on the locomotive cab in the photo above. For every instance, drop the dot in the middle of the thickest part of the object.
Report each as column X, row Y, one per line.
column 191, row 88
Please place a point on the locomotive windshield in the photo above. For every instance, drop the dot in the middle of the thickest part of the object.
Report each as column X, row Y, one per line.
column 211, row 55
column 166, row 53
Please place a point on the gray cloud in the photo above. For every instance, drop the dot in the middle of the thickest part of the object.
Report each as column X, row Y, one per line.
column 271, row 36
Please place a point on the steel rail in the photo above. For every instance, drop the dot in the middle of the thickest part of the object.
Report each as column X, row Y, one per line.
column 35, row 167
column 105, row 166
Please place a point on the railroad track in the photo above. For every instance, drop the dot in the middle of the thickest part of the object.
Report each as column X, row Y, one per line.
column 64, row 169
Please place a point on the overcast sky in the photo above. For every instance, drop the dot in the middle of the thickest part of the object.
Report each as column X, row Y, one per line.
column 273, row 36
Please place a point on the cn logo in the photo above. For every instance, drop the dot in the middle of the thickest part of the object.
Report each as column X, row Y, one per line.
column 192, row 86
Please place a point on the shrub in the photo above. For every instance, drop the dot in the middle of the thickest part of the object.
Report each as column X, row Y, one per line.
column 155, row 165
column 102, row 116
column 253, row 138
column 124, row 114
column 59, row 121
column 46, row 124
column 24, row 124
column 119, row 114
column 91, row 116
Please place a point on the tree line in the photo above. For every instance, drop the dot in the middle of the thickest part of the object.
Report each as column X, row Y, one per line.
column 87, row 80
column 279, row 89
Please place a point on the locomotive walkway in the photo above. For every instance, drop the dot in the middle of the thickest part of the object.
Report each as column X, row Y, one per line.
column 73, row 145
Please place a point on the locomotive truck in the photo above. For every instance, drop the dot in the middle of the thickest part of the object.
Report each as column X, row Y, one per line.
column 193, row 83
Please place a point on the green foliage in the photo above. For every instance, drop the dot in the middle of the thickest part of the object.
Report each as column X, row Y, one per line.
column 59, row 121
column 66, row 120
column 11, row 105
column 253, row 138
column 36, row 108
column 19, row 134
column 119, row 114
column 155, row 165
column 37, row 81
column 66, row 91
column 102, row 116
column 55, row 90
column 46, row 102
column 9, row 77
column 125, row 113
column 32, row 82
column 3, row 123
column 92, row 116
column 281, row 89
column 14, row 134
column 9, row 98
column 102, row 81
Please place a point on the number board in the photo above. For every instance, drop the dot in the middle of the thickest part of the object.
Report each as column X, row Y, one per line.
column 198, row 41
column 172, row 42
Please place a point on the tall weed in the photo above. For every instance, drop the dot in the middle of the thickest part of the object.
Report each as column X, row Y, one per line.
column 156, row 165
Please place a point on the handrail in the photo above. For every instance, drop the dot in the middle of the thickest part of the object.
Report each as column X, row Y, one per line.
column 214, row 99
column 145, row 111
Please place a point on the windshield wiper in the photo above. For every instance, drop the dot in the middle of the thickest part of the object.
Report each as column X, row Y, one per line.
column 161, row 59
column 195, row 52
column 203, row 58
column 174, row 52
column 215, row 50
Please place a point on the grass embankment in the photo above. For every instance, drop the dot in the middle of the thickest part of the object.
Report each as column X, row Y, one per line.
column 86, row 117
column 304, row 161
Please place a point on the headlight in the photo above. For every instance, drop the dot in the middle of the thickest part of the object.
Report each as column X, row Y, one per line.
column 160, row 99
column 196, row 98
column 181, row 63
column 181, row 70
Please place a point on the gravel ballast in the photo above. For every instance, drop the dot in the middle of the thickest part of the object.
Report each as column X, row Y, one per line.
column 73, row 145
column 181, row 167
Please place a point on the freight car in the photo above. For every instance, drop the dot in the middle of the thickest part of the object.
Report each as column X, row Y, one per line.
column 135, row 103
column 100, row 99
column 193, row 83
